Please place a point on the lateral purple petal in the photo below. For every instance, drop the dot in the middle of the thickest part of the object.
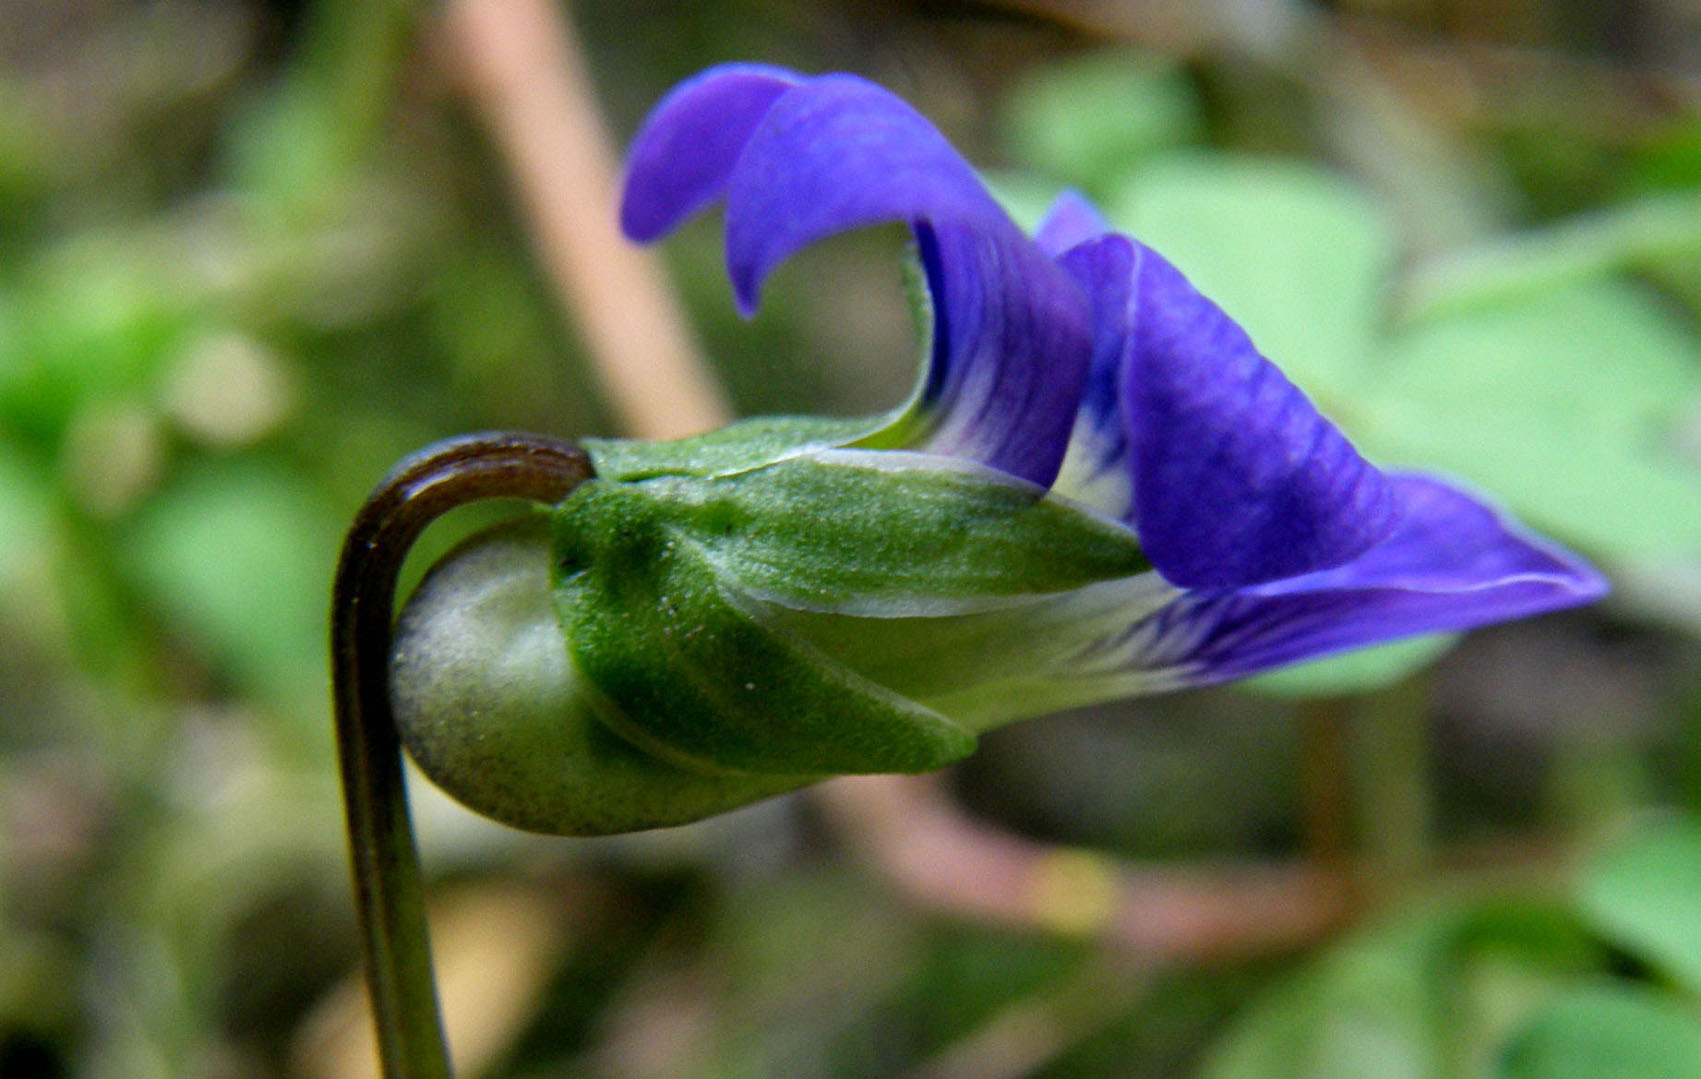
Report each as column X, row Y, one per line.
column 1011, row 329
column 1096, row 469
column 1011, row 344
column 685, row 150
column 1237, row 478
column 1452, row 564
column 1072, row 220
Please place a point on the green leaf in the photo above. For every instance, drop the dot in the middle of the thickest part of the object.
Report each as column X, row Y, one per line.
column 1089, row 121
column 1365, row 1008
column 689, row 672
column 1423, row 996
column 95, row 318
column 1025, row 196
column 1518, row 267
column 237, row 556
column 1509, row 959
column 1297, row 256
column 1556, row 405
column 1604, row 356
column 26, row 520
column 1606, row 1030
column 1643, row 893
column 1357, row 671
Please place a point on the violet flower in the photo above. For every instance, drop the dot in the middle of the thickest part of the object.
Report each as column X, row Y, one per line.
column 1130, row 394
column 1099, row 488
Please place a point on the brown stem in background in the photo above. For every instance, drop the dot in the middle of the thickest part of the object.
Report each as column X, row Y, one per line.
column 523, row 67
column 943, row 859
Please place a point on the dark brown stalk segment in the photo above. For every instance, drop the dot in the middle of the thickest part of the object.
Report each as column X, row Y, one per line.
column 389, row 892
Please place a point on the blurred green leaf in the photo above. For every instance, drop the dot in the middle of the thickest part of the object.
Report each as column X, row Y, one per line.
column 290, row 150
column 296, row 146
column 1415, row 997
column 1364, row 1009
column 1557, row 405
column 99, row 318
column 26, row 514
column 1297, row 256
column 1643, row 893
column 1516, row 267
column 237, row 556
column 1088, row 121
column 1604, row 356
column 1671, row 159
column 1025, row 196
column 1606, row 1030
column 1354, row 672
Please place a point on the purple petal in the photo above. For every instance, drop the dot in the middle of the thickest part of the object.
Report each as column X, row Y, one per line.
column 1011, row 345
column 1452, row 564
column 1011, row 334
column 835, row 154
column 683, row 154
column 1237, row 479
column 1096, row 469
column 1072, row 220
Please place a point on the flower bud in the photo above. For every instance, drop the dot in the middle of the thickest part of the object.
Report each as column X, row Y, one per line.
column 492, row 709
column 666, row 645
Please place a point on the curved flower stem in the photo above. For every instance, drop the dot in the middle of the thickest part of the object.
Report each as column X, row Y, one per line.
column 388, row 888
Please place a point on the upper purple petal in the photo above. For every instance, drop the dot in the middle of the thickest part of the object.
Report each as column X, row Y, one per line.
column 1237, row 478
column 1452, row 564
column 682, row 155
column 835, row 154
column 798, row 161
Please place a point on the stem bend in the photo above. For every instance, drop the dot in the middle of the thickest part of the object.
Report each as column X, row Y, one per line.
column 389, row 891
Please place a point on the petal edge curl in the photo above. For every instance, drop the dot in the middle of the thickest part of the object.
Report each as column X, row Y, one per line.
column 683, row 154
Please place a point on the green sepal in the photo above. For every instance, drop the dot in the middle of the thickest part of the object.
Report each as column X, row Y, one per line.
column 492, row 710
column 671, row 591
column 738, row 447
column 688, row 673
column 892, row 535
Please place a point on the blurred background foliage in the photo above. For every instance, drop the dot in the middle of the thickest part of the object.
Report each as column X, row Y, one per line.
column 253, row 252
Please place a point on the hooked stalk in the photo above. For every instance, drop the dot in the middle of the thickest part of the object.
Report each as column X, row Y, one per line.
column 389, row 890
